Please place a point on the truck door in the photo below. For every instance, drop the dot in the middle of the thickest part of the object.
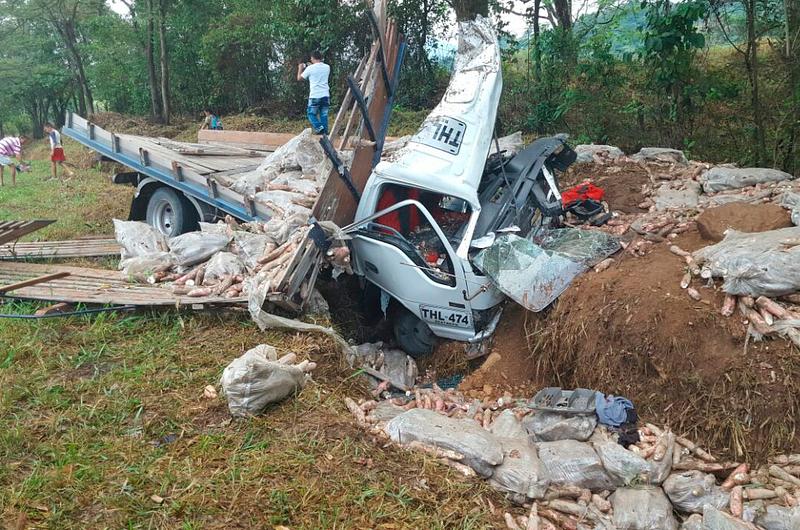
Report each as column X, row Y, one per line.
column 404, row 251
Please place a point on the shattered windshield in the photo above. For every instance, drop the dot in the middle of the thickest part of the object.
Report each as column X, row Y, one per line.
column 534, row 274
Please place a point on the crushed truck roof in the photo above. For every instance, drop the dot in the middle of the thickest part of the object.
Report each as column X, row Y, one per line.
column 448, row 152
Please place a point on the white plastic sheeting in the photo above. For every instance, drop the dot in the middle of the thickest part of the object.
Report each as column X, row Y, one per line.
column 138, row 239
column 642, row 509
column 569, row 462
column 223, row 264
column 588, row 152
column 480, row 449
column 723, row 178
column 195, row 247
column 301, row 154
column 258, row 378
column 660, row 154
column 689, row 491
column 764, row 263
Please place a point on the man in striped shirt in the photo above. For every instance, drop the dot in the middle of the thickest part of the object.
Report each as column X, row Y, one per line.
column 10, row 148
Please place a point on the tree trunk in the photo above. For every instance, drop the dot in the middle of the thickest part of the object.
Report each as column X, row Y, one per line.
column 67, row 31
column 751, row 63
column 37, row 110
column 537, row 46
column 790, row 161
column 81, row 99
column 469, row 9
column 152, row 78
column 563, row 12
column 80, row 93
column 162, row 41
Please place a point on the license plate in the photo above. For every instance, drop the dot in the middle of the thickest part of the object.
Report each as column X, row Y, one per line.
column 445, row 317
column 444, row 133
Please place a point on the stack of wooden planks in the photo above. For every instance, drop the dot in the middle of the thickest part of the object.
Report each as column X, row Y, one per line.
column 13, row 230
column 75, row 248
column 61, row 283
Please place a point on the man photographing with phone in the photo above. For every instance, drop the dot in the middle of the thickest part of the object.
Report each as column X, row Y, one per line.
column 319, row 94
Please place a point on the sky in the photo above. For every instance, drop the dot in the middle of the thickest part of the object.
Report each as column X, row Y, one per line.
column 516, row 24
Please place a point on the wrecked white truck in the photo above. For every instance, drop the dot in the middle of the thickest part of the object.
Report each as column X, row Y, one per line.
column 425, row 213
column 440, row 223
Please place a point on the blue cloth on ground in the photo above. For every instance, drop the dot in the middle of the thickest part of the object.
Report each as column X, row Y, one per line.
column 612, row 410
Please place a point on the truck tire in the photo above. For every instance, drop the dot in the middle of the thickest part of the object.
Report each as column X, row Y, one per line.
column 412, row 334
column 170, row 213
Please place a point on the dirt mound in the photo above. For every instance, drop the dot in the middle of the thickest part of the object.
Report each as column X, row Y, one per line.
column 122, row 123
column 260, row 123
column 631, row 330
column 510, row 365
column 743, row 217
column 622, row 183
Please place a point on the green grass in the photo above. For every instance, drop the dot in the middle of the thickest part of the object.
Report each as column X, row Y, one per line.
column 82, row 205
column 103, row 416
column 99, row 414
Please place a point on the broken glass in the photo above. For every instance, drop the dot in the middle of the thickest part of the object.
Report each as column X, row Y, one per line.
column 534, row 274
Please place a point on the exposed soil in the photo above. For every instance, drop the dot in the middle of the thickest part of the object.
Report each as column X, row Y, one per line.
column 115, row 122
column 622, row 183
column 631, row 330
column 508, row 368
column 743, row 217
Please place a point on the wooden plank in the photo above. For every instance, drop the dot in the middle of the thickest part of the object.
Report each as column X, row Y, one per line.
column 263, row 149
column 164, row 161
column 95, row 286
column 191, row 149
column 60, row 249
column 32, row 281
column 361, row 168
column 297, row 257
column 253, row 140
column 131, row 144
column 266, row 139
column 11, row 230
column 346, row 102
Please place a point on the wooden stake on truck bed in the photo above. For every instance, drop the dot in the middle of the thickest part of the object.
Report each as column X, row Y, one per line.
column 33, row 281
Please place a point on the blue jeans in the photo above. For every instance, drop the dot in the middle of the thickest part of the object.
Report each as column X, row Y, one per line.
column 317, row 113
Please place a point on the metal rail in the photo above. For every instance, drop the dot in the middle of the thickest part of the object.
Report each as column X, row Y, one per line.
column 182, row 178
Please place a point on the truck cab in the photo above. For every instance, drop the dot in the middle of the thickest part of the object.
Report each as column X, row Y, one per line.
column 425, row 213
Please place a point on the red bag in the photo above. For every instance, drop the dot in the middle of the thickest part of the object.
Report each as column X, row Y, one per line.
column 582, row 192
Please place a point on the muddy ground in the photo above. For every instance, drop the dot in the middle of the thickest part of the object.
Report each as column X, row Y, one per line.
column 631, row 330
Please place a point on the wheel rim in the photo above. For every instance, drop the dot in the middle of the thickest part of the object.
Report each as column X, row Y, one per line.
column 163, row 217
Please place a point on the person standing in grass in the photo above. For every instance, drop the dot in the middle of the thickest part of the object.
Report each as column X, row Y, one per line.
column 57, row 157
column 11, row 148
column 319, row 93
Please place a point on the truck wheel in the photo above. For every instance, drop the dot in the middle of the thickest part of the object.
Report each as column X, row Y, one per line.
column 412, row 334
column 170, row 213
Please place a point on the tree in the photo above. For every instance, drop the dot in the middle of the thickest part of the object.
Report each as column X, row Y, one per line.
column 422, row 23
column 671, row 42
column 469, row 9
column 146, row 9
column 787, row 152
column 65, row 17
column 164, row 59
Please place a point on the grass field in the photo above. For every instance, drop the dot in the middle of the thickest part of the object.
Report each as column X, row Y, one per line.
column 103, row 423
